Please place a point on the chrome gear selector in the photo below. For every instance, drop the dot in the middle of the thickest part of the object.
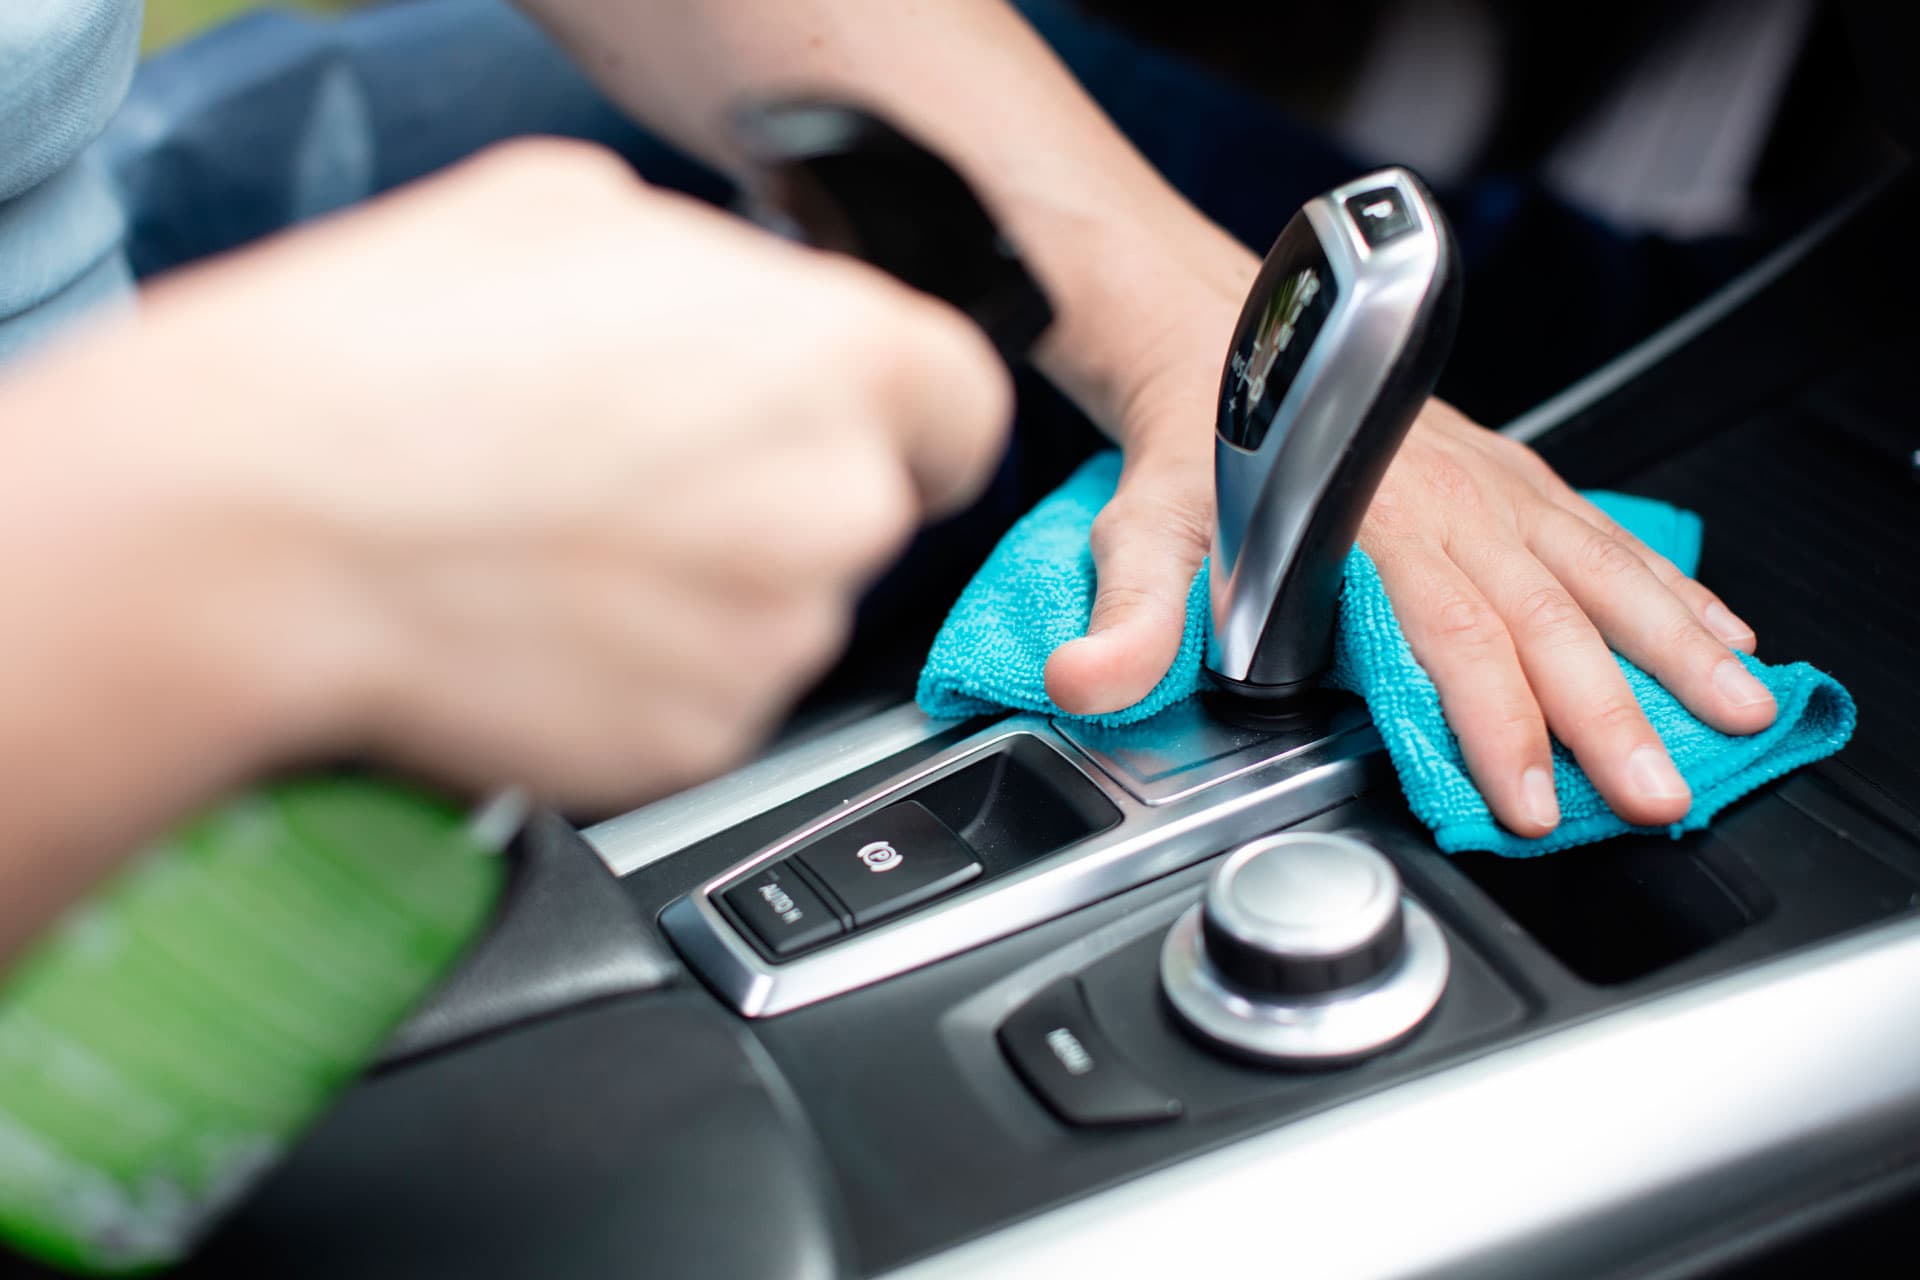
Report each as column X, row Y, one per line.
column 1337, row 347
column 1304, row 951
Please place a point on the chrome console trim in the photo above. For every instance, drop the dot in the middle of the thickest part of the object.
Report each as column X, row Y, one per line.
column 648, row 834
column 1183, row 750
column 1665, row 341
column 1146, row 843
column 1582, row 1152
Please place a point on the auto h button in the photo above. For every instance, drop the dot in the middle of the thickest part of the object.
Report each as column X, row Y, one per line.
column 897, row 858
column 782, row 911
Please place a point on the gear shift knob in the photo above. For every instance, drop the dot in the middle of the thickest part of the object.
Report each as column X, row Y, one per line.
column 1338, row 346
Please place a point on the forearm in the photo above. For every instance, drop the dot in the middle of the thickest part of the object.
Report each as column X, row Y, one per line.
column 971, row 79
column 148, row 661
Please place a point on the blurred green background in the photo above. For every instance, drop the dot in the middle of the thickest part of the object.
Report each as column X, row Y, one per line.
column 172, row 20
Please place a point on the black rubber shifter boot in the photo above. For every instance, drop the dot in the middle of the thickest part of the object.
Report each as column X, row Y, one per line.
column 566, row 934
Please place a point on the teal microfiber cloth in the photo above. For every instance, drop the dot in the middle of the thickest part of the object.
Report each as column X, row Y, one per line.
column 1036, row 590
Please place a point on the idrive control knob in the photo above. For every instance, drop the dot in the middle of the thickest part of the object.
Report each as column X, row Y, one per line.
column 1304, row 950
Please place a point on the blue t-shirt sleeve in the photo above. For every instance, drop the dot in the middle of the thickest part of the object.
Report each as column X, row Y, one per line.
column 64, row 67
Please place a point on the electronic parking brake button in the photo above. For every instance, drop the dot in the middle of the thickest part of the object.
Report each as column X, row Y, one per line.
column 782, row 911
column 1054, row 1045
column 897, row 858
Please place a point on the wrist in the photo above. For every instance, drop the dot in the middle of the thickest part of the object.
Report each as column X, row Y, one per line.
column 1146, row 305
column 180, row 577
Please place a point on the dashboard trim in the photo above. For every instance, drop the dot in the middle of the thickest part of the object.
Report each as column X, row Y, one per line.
column 659, row 830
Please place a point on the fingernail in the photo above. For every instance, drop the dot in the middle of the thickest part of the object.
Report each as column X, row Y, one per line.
column 1738, row 685
column 1651, row 773
column 1536, row 791
column 1722, row 623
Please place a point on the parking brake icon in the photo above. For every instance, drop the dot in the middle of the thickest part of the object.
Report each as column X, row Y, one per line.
column 880, row 856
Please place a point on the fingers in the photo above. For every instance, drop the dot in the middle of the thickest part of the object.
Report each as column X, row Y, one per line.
column 1516, row 591
column 905, row 364
column 1650, row 625
column 1146, row 551
column 1704, row 604
column 1464, row 646
column 945, row 394
column 1580, row 687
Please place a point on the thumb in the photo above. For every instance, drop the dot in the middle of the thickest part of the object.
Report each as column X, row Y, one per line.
column 1145, row 553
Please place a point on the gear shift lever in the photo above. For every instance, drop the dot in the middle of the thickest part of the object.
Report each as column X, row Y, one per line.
column 1338, row 346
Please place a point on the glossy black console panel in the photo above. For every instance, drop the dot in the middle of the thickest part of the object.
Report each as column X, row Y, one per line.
column 1631, row 908
column 1021, row 803
column 1766, row 874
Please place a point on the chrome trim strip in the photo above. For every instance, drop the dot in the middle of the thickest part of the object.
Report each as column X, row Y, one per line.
column 1577, row 1153
column 652, row 832
column 1183, row 750
column 1147, row 842
column 1636, row 360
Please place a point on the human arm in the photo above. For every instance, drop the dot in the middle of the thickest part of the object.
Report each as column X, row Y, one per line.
column 475, row 483
column 1146, row 290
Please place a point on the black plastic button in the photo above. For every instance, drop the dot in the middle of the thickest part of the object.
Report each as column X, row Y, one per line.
column 1381, row 214
column 1055, row 1046
column 900, row 857
column 782, row 911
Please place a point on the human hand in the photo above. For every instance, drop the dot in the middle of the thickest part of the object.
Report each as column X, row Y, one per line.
column 1149, row 375
column 1510, row 587
column 585, row 476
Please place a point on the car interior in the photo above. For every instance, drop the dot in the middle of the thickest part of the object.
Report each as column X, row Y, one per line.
column 1091, row 1022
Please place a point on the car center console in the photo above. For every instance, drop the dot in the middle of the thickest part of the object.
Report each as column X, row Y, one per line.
column 1648, row 1052
column 1013, row 997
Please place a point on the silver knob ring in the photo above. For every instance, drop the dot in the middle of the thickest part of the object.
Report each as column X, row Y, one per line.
column 1323, row 1030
